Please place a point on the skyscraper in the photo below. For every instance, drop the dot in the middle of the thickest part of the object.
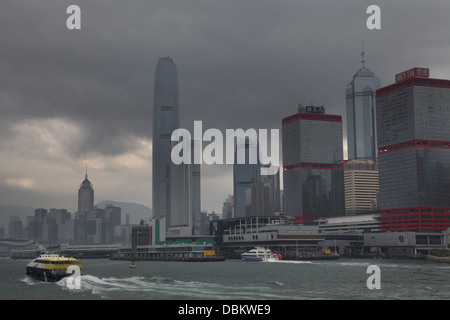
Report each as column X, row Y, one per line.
column 166, row 118
column 244, row 174
column 176, row 188
column 184, row 216
column 313, row 163
column 361, row 114
column 413, row 119
column 85, row 195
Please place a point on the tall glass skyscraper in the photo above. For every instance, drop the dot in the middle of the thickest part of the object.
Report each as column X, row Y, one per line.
column 166, row 118
column 176, row 188
column 361, row 114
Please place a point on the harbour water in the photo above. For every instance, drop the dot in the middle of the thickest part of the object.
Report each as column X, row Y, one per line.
column 234, row 280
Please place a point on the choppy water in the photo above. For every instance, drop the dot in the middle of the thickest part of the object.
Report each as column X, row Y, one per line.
column 233, row 279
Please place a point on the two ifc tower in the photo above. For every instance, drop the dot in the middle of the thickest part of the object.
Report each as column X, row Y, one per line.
column 176, row 188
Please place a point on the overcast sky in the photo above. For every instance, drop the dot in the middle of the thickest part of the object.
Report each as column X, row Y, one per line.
column 74, row 97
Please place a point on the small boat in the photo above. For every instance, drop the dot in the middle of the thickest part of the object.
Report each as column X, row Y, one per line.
column 52, row 267
column 259, row 254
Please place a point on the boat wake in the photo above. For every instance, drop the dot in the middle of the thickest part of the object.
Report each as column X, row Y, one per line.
column 31, row 282
column 162, row 288
column 289, row 261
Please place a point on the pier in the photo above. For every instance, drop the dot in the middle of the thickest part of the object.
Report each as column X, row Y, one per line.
column 170, row 252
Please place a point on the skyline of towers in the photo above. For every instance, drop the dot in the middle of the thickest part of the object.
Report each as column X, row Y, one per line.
column 312, row 153
column 361, row 114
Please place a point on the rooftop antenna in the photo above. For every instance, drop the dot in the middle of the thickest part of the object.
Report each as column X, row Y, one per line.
column 362, row 55
column 86, row 171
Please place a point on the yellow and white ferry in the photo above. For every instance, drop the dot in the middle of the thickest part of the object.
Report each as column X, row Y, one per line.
column 52, row 267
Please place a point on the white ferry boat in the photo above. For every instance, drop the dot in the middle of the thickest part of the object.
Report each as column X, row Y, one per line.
column 51, row 267
column 259, row 254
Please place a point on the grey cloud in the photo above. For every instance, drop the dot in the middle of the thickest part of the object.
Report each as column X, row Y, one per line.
column 245, row 63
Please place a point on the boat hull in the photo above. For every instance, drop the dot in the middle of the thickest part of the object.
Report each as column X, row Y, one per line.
column 46, row 275
column 247, row 258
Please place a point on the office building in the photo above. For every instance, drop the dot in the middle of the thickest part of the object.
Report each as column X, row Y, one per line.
column 361, row 114
column 361, row 186
column 227, row 208
column 85, row 195
column 313, row 163
column 262, row 198
column 184, row 200
column 244, row 174
column 272, row 183
column 166, row 118
column 413, row 118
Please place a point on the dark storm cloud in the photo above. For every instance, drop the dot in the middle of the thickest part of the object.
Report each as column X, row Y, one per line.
column 91, row 77
column 241, row 64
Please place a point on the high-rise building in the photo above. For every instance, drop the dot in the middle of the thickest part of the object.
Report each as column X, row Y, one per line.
column 272, row 182
column 361, row 186
column 258, row 201
column 184, row 217
column 85, row 196
column 244, row 174
column 227, row 208
column 176, row 187
column 413, row 119
column 361, row 114
column 313, row 163
column 166, row 118
column 262, row 198
column 15, row 227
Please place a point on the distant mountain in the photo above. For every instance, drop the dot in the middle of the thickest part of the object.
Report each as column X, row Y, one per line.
column 6, row 211
column 135, row 210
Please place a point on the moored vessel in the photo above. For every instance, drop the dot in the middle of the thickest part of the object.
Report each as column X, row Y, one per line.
column 52, row 267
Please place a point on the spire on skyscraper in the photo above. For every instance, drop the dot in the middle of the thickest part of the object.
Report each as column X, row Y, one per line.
column 362, row 56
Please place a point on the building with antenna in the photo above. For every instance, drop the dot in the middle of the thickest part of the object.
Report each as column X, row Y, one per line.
column 361, row 113
column 85, row 195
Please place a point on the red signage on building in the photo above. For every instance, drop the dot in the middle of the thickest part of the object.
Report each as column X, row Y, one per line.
column 411, row 73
